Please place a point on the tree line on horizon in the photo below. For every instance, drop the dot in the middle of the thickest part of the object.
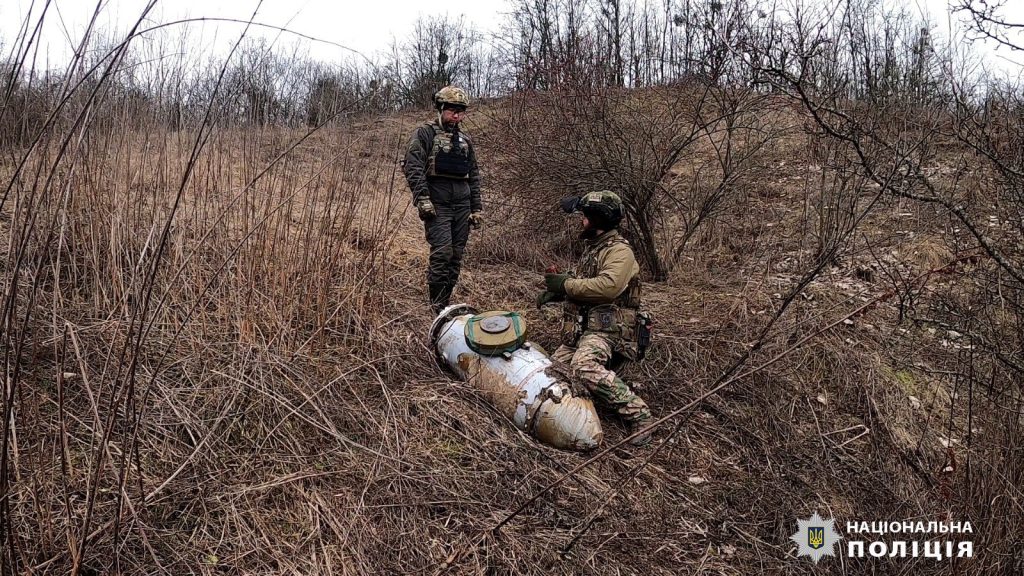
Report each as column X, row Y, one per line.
column 862, row 50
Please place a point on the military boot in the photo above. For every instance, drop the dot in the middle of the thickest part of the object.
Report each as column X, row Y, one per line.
column 632, row 409
column 639, row 424
column 447, row 294
column 439, row 294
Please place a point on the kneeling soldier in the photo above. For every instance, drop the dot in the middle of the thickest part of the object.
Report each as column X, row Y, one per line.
column 602, row 301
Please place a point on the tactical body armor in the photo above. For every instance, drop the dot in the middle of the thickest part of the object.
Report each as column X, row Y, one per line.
column 449, row 155
column 617, row 319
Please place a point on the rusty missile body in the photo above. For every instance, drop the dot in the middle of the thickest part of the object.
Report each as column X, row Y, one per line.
column 521, row 383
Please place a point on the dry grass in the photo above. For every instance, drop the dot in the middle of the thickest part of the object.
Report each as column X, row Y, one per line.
column 255, row 394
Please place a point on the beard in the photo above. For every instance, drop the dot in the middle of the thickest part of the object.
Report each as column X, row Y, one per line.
column 589, row 233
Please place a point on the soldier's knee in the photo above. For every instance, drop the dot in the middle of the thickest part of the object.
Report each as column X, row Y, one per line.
column 592, row 375
column 585, row 363
column 590, row 356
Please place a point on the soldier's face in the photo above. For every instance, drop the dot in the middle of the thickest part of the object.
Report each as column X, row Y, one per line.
column 452, row 116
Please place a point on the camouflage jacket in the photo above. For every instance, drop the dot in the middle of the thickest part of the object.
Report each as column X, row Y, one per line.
column 425, row 181
column 604, row 272
column 604, row 297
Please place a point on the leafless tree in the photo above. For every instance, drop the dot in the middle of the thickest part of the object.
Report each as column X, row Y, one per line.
column 986, row 20
column 435, row 55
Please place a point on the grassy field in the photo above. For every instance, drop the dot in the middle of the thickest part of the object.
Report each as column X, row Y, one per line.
column 217, row 363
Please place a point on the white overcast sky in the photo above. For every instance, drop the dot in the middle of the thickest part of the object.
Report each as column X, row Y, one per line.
column 367, row 26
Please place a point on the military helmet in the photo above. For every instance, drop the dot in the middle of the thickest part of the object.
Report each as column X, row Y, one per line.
column 451, row 96
column 603, row 208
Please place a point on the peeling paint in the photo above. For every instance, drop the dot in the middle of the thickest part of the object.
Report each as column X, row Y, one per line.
column 492, row 385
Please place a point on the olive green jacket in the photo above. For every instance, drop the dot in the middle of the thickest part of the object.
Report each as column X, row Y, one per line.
column 607, row 266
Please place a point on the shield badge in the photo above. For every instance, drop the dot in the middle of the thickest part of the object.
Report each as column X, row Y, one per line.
column 815, row 536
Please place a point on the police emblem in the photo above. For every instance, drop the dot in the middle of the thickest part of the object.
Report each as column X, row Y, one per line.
column 816, row 537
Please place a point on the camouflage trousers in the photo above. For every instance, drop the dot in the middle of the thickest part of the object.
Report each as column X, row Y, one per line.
column 589, row 361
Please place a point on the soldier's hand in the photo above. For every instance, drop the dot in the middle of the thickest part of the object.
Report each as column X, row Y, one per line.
column 476, row 220
column 555, row 282
column 426, row 210
column 546, row 297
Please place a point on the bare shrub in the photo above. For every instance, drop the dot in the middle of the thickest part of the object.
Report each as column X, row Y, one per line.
column 946, row 156
column 588, row 138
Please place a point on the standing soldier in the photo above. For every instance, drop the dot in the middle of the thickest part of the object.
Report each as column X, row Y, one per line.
column 440, row 167
column 602, row 308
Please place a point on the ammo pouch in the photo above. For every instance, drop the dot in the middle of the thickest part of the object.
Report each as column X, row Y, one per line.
column 619, row 323
column 611, row 319
column 573, row 322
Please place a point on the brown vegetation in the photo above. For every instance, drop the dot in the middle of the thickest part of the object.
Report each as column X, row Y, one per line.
column 215, row 323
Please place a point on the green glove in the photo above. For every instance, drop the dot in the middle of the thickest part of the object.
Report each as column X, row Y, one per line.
column 476, row 220
column 546, row 297
column 556, row 282
column 426, row 209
